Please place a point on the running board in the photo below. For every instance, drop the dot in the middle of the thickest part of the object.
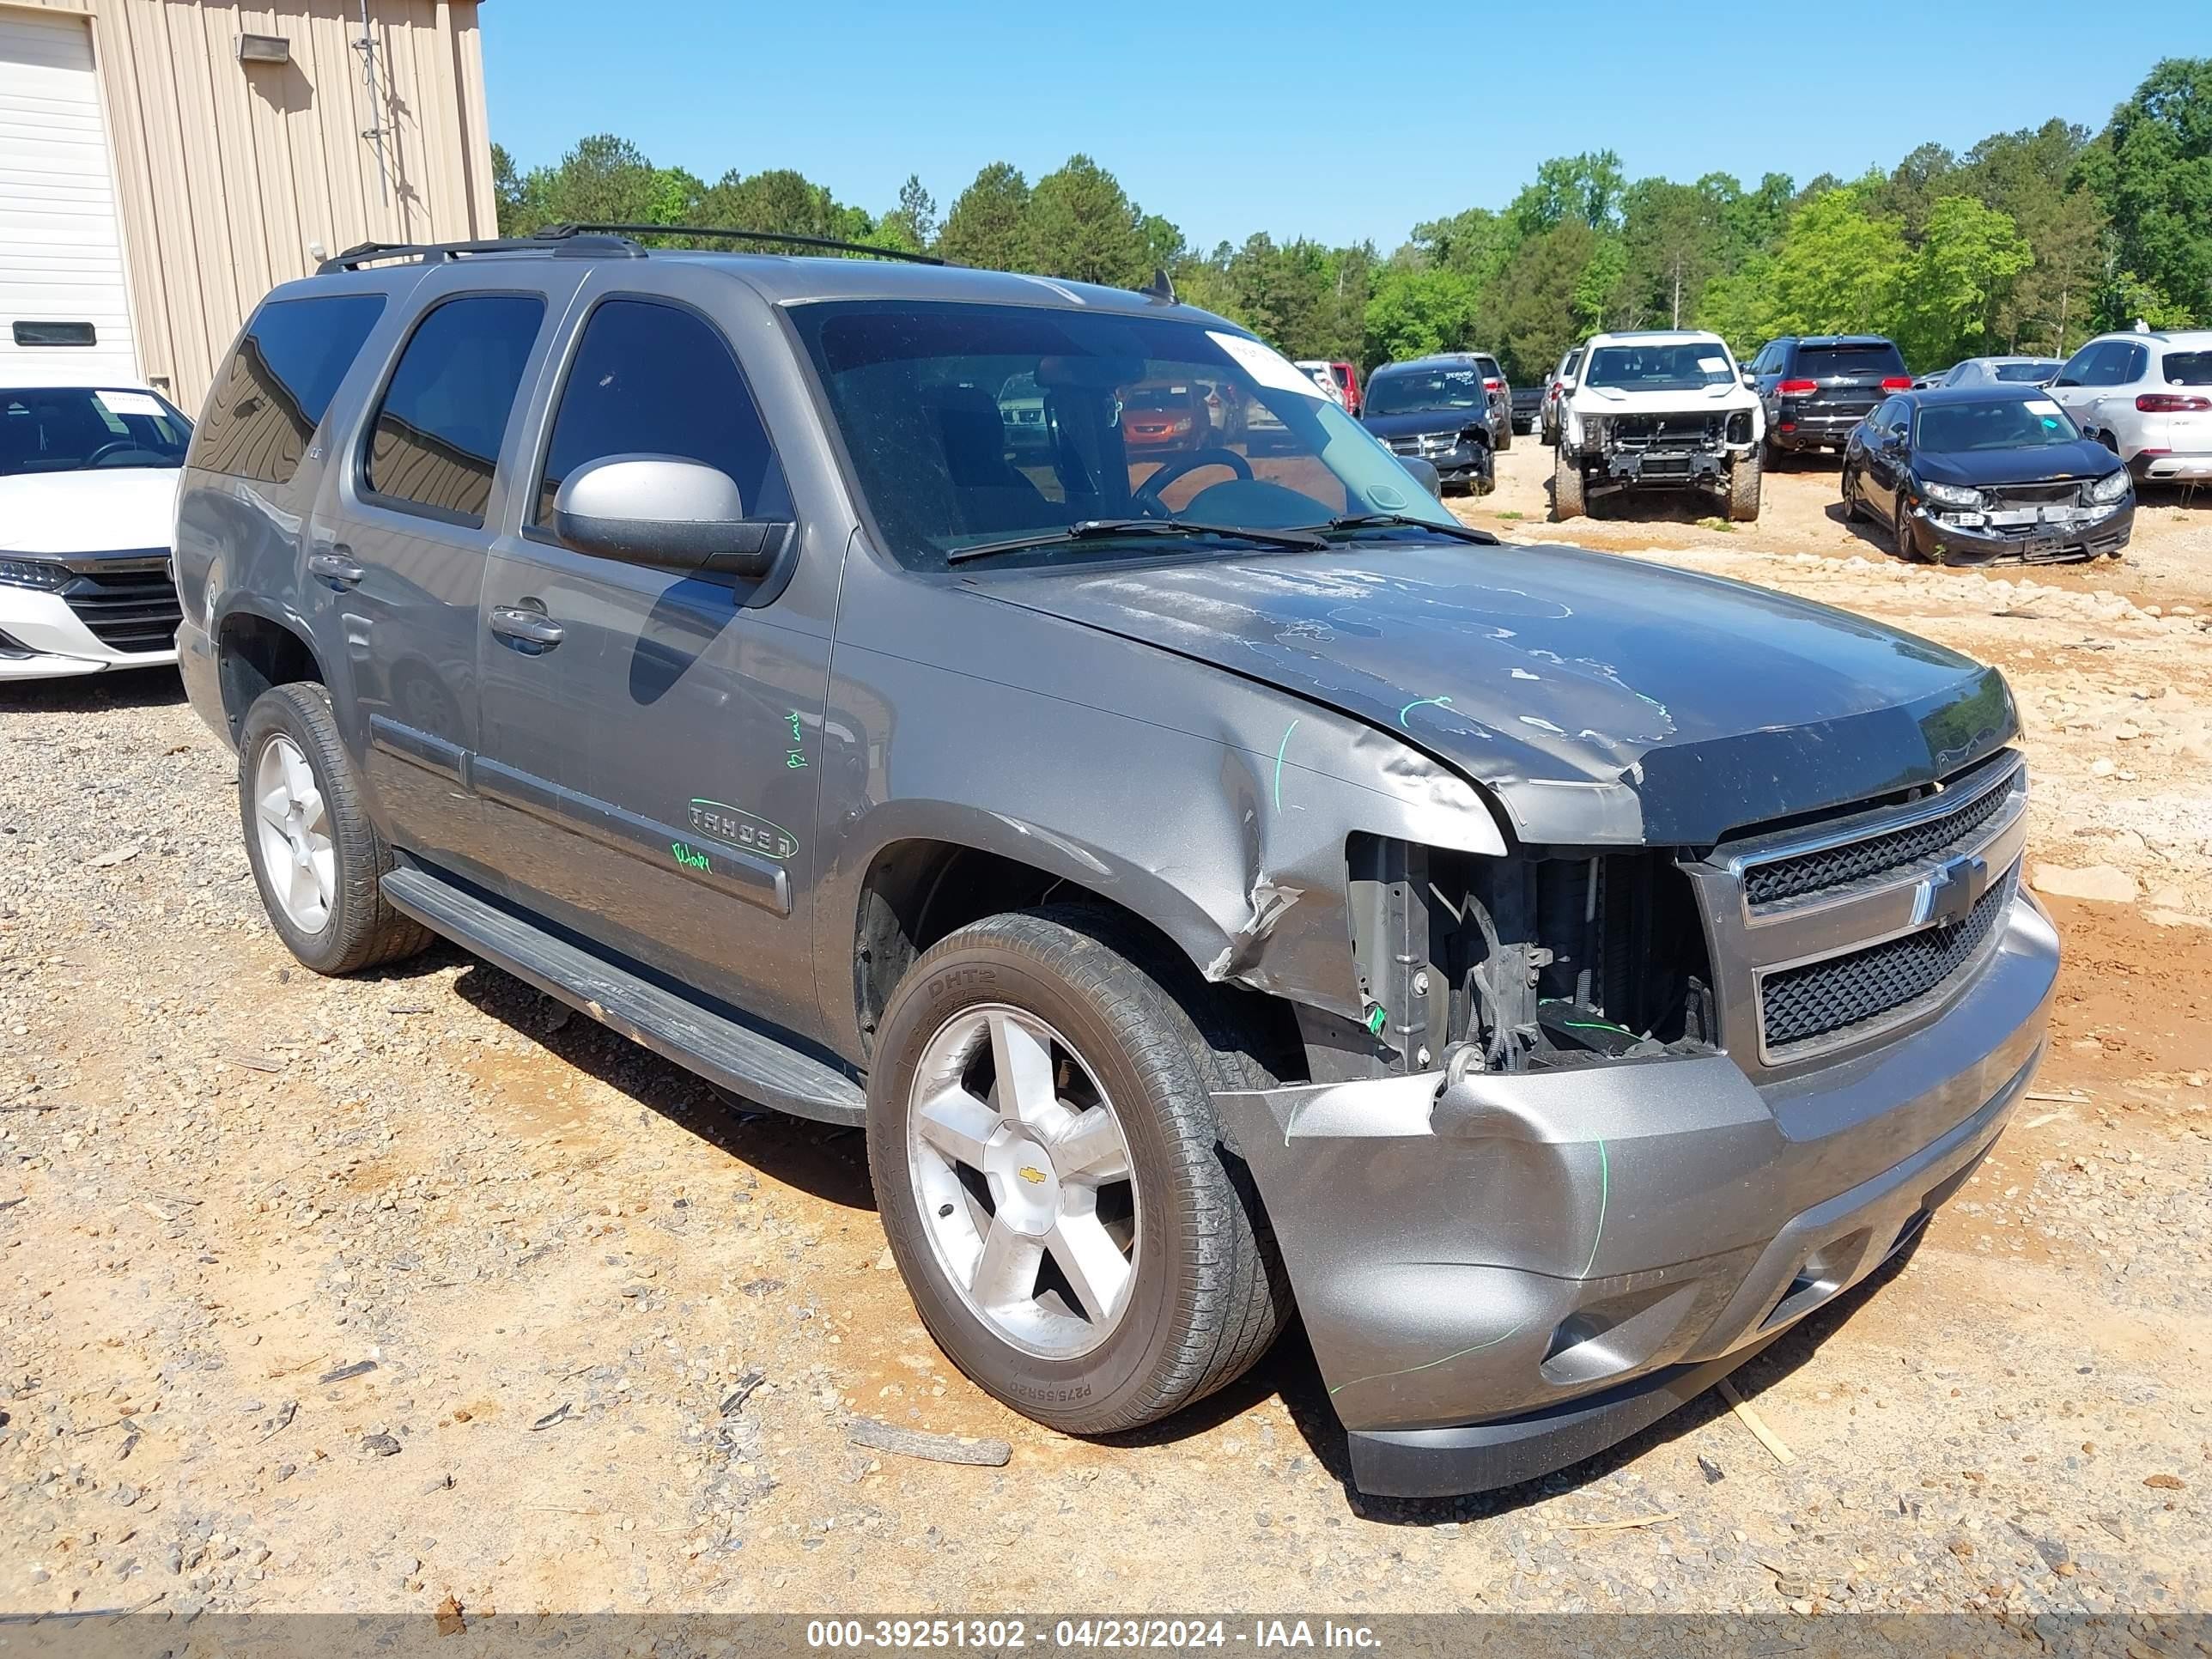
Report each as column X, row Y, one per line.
column 737, row 1058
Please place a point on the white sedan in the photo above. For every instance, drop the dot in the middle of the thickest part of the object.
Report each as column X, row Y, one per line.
column 88, row 478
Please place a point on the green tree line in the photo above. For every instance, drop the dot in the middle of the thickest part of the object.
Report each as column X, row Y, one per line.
column 2028, row 242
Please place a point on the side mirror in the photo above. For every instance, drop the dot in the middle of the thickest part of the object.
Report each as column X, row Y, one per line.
column 1425, row 474
column 1750, row 380
column 668, row 514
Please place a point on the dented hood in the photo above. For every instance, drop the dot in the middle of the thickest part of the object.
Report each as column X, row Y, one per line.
column 1602, row 700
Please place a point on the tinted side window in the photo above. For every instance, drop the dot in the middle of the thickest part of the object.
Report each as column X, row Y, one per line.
column 2188, row 367
column 2108, row 365
column 439, row 428
column 2133, row 359
column 2076, row 371
column 656, row 380
column 264, row 409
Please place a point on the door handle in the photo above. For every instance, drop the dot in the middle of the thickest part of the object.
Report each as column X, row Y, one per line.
column 531, row 631
column 335, row 566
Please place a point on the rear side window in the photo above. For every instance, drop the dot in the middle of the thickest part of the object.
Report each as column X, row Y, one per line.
column 439, row 428
column 272, row 394
column 1827, row 362
column 656, row 380
column 2188, row 367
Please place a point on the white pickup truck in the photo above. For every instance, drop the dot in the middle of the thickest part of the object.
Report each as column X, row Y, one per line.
column 1660, row 409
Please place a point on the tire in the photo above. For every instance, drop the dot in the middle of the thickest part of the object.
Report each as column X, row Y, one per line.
column 1504, row 440
column 1853, row 513
column 1202, row 1292
column 1900, row 533
column 1567, row 500
column 355, row 928
column 1743, row 489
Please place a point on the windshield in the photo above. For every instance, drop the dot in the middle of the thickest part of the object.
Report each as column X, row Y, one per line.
column 2032, row 374
column 920, row 396
column 1677, row 366
column 1996, row 423
column 1414, row 391
column 55, row 428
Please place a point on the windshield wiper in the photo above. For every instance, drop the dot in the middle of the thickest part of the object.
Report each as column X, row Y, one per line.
column 1085, row 530
column 1457, row 531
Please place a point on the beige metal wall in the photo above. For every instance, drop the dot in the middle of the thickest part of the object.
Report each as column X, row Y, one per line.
column 229, row 174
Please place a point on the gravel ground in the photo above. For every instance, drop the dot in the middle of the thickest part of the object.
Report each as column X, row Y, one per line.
column 364, row 1295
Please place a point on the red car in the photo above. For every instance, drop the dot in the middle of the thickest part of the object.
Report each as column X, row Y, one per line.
column 1348, row 381
column 1165, row 415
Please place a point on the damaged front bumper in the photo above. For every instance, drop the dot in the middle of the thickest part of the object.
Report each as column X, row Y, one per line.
column 1506, row 1275
column 1949, row 537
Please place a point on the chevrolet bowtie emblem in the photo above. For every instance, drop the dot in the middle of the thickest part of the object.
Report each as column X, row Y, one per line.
column 1949, row 894
column 1035, row 1177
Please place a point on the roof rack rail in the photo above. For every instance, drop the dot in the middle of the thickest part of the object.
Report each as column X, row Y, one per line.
column 562, row 232
column 364, row 254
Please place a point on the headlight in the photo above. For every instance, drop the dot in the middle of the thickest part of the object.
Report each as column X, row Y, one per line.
column 33, row 573
column 2112, row 486
column 1945, row 495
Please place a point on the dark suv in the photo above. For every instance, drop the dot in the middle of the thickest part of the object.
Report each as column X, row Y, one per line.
column 1816, row 387
column 1223, row 886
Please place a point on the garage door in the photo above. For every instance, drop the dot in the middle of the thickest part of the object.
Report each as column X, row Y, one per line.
column 61, row 255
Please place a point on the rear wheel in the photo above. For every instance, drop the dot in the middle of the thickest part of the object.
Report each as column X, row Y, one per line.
column 1743, row 489
column 315, row 856
column 1853, row 512
column 1567, row 500
column 1049, row 1173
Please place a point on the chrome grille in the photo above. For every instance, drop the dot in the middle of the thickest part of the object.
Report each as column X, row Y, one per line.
column 1826, row 933
column 1827, row 999
column 1830, row 867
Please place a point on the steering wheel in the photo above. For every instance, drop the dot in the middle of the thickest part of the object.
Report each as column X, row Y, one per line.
column 110, row 448
column 1146, row 496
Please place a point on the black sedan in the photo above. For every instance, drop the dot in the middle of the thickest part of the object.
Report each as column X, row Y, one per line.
column 1968, row 474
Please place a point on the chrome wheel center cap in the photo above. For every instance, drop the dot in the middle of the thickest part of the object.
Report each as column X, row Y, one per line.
column 1024, row 1183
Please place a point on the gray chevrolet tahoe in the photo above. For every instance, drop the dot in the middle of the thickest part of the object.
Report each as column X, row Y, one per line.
column 1223, row 887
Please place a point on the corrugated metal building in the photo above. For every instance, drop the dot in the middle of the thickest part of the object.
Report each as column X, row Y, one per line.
column 164, row 162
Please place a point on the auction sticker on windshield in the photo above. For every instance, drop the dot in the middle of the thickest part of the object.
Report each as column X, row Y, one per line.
column 1713, row 365
column 129, row 403
column 1267, row 367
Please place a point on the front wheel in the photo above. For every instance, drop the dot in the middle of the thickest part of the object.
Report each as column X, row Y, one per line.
column 1050, row 1177
column 1907, row 540
column 1743, row 489
column 1567, row 500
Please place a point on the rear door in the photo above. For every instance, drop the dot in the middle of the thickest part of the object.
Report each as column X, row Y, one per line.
column 2088, row 387
column 649, row 771
column 398, row 538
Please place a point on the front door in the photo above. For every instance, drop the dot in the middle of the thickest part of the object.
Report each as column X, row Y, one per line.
column 398, row 536
column 650, row 742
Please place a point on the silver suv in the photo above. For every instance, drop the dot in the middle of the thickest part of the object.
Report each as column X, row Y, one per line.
column 1224, row 888
column 2147, row 396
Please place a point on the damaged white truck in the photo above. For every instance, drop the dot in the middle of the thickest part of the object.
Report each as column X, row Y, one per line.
column 1665, row 409
column 1225, row 888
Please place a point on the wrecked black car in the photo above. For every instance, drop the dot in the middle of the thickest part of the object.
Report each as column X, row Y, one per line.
column 1972, row 475
column 1224, row 888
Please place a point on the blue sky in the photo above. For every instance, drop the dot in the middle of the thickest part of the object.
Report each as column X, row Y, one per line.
column 1335, row 120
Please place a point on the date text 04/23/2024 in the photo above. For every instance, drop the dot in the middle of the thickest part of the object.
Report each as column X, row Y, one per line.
column 1261, row 1636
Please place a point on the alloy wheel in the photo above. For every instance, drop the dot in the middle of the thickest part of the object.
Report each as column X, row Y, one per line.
column 1023, row 1180
column 298, row 856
